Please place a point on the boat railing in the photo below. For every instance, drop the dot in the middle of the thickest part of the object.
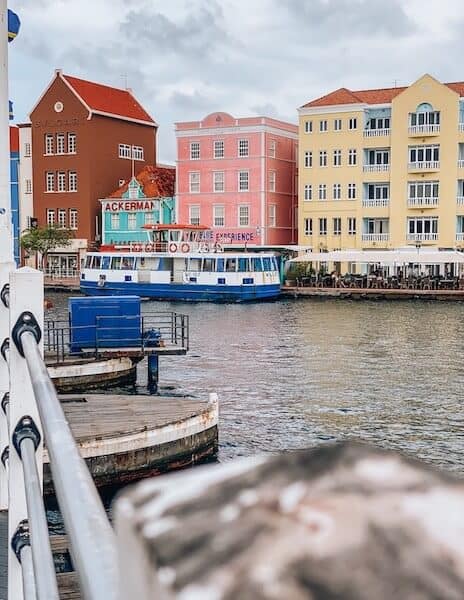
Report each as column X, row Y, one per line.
column 33, row 417
column 166, row 330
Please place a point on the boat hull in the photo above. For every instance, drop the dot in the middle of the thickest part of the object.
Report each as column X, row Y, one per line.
column 183, row 292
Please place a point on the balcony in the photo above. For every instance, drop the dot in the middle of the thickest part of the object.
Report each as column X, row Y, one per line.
column 460, row 163
column 460, row 237
column 461, row 127
column 376, row 132
column 420, row 130
column 375, row 168
column 368, row 202
column 422, row 237
column 460, row 200
column 375, row 237
column 423, row 202
column 425, row 165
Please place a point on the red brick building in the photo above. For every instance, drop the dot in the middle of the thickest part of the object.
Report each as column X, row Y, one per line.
column 86, row 139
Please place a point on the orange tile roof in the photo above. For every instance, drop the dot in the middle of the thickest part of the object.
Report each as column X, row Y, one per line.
column 375, row 96
column 14, row 139
column 156, row 182
column 106, row 99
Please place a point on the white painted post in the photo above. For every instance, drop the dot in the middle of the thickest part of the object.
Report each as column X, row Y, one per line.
column 26, row 294
column 5, row 269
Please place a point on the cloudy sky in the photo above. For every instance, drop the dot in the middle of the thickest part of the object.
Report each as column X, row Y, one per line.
column 185, row 59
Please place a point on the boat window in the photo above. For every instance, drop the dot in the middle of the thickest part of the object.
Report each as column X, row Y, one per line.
column 275, row 264
column 208, row 264
column 267, row 263
column 96, row 262
column 147, row 263
column 231, row 265
column 175, row 235
column 88, row 262
column 194, row 264
column 220, row 265
column 243, row 265
column 116, row 262
column 106, row 262
column 257, row 266
column 128, row 262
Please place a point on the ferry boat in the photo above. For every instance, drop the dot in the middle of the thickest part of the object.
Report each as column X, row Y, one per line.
column 181, row 262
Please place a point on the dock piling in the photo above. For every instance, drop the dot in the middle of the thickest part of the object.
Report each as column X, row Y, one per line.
column 153, row 373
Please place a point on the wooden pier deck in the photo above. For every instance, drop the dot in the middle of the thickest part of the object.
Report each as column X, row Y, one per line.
column 372, row 294
column 121, row 439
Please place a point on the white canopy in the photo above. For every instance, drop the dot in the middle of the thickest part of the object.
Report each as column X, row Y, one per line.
column 385, row 257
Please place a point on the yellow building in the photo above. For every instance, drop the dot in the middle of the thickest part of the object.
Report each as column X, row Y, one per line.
column 382, row 169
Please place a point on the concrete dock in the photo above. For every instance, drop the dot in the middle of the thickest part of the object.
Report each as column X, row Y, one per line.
column 371, row 294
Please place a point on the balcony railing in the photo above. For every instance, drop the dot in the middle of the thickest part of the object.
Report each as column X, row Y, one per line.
column 372, row 202
column 460, row 200
column 422, row 202
column 375, row 168
column 376, row 132
column 375, row 237
column 460, row 237
column 425, row 165
column 461, row 126
column 460, row 163
column 422, row 237
column 424, row 129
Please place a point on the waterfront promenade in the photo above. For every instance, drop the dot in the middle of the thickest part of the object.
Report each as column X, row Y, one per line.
column 371, row 293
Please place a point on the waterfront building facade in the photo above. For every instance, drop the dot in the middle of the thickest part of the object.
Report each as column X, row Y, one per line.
column 383, row 168
column 14, row 182
column 238, row 176
column 146, row 199
column 86, row 139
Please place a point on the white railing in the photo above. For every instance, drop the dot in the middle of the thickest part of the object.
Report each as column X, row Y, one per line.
column 376, row 132
column 372, row 202
column 421, row 202
column 460, row 163
column 375, row 168
column 460, row 237
column 461, row 126
column 460, row 200
column 425, row 165
column 422, row 237
column 375, row 237
column 424, row 129
column 58, row 273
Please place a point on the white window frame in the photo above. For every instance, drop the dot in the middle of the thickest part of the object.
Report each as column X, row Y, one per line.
column 194, row 186
column 272, row 148
column 322, row 158
column 351, row 225
column 219, row 215
column 337, row 158
column 138, row 153
column 72, row 143
column 61, row 181
column 352, row 157
column 60, row 143
column 353, row 123
column 115, row 221
column 272, row 218
column 131, row 221
column 323, row 226
column 423, row 150
column 149, row 218
column 322, row 192
column 432, row 221
column 243, row 148
column 28, row 186
column 243, row 215
column 51, row 216
column 308, row 192
column 337, row 124
column 308, row 226
column 50, row 181
column 308, row 127
column 218, row 149
column 194, row 214
column 72, row 181
column 124, row 151
column 218, row 182
column 27, row 149
column 308, row 159
column 73, row 218
column 194, row 150
column 337, row 225
column 61, row 218
column 243, row 181
column 323, row 126
column 272, row 180
column 351, row 191
column 337, row 191
column 49, row 144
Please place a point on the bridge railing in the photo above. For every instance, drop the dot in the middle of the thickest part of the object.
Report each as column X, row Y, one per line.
column 33, row 415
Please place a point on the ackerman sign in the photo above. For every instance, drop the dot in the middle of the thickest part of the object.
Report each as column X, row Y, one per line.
column 129, row 205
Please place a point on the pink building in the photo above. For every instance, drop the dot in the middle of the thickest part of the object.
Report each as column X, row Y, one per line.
column 238, row 176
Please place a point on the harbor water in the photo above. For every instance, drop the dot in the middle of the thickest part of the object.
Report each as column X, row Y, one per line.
column 292, row 374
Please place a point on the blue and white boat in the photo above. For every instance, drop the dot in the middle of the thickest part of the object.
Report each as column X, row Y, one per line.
column 181, row 262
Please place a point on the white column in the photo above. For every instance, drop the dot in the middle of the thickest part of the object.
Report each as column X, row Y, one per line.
column 6, row 243
column 26, row 294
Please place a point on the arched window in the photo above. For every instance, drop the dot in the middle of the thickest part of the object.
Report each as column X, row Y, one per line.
column 424, row 107
column 425, row 119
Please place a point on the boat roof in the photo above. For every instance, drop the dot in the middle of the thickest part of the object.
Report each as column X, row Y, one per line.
column 227, row 254
column 160, row 227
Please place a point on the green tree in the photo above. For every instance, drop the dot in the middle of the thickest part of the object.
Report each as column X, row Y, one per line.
column 43, row 240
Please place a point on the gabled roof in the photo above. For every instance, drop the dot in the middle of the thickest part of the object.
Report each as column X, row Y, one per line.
column 375, row 96
column 106, row 100
column 156, row 182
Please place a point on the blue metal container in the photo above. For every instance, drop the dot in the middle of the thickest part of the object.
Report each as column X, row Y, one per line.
column 104, row 322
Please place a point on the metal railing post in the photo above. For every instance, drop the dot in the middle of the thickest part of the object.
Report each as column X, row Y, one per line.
column 5, row 269
column 26, row 295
